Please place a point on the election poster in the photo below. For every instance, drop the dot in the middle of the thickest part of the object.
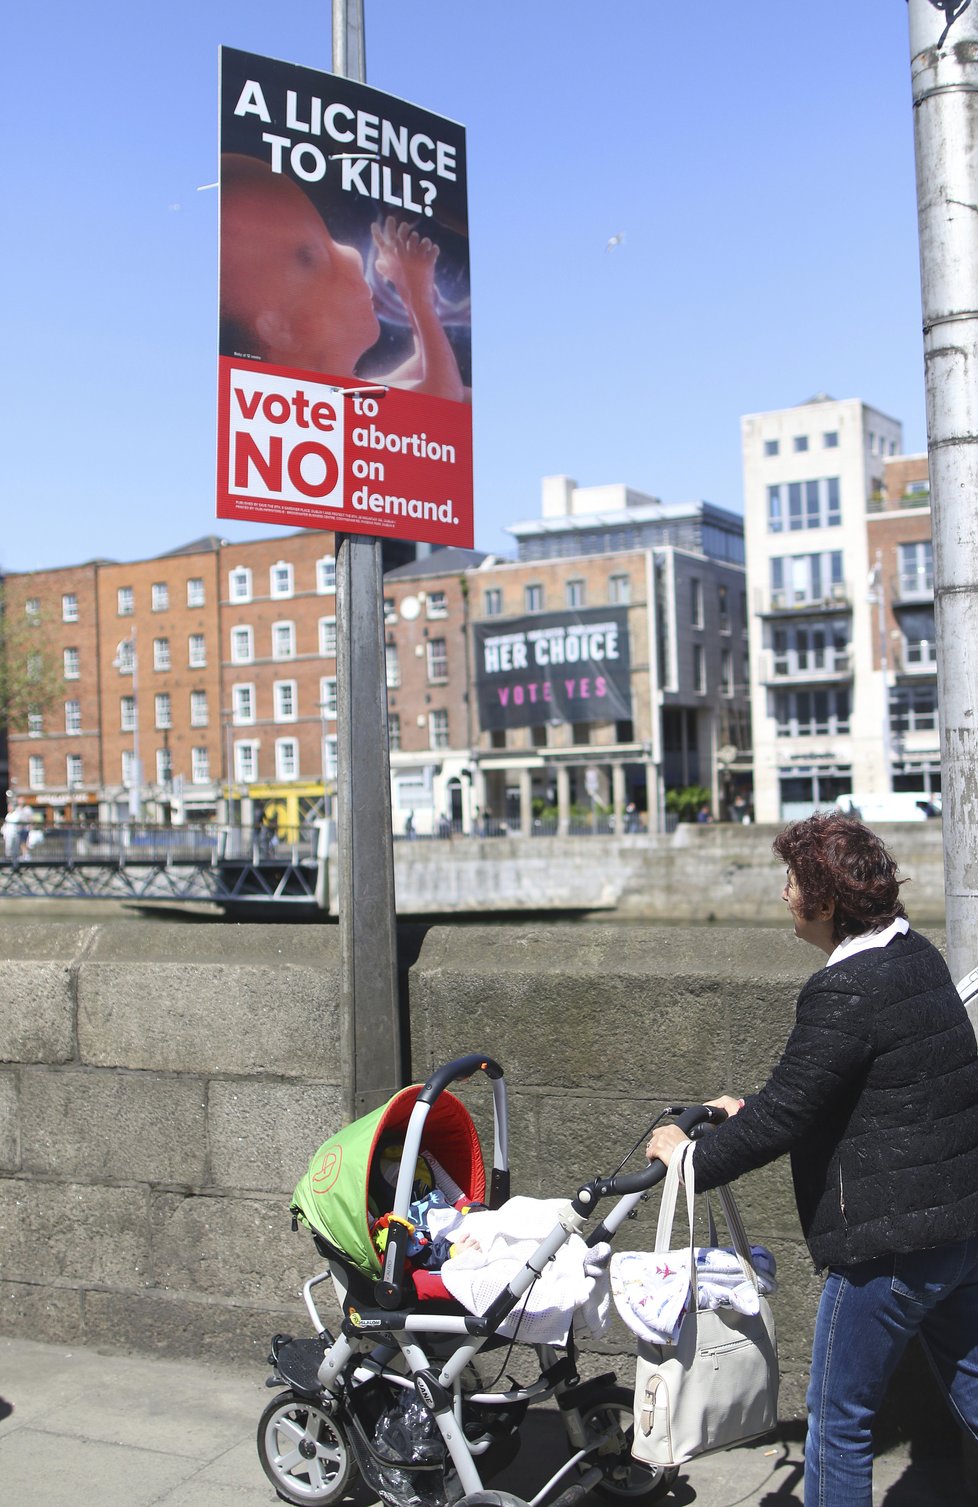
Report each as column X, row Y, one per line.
column 345, row 326
column 553, row 667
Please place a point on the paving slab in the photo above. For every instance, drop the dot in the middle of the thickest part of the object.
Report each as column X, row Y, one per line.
column 91, row 1429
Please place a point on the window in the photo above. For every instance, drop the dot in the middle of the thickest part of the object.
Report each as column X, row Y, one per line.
column 331, row 759
column 802, row 650
column 830, row 439
column 913, row 708
column 243, row 703
column 35, row 772
column 327, row 697
column 437, row 604
column 71, row 664
column 195, row 592
column 73, row 717
column 164, row 714
column 804, row 505
column 812, row 713
column 619, row 590
column 437, row 659
column 161, row 653
column 393, row 668
column 492, row 601
column 917, row 568
column 538, row 735
column 161, row 596
column 35, row 724
column 699, row 669
column 726, row 673
column 200, row 766
column 125, row 656
column 283, row 640
column 35, row 666
column 127, row 713
column 723, row 608
column 74, row 774
column 242, row 646
column 800, row 443
column 438, row 729
column 574, row 593
column 239, row 584
column 390, row 610
column 771, row 447
column 807, row 578
column 32, row 610
column 327, row 637
column 284, row 700
column 280, row 579
column 533, row 598
column 394, row 731
column 128, row 768
column 199, row 716
column 69, row 607
column 164, row 767
column 196, row 651
column 696, row 601
column 124, row 601
column 246, row 762
column 326, row 574
column 919, row 638
column 287, row 758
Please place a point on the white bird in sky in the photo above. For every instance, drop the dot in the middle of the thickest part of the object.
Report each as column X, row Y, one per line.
column 615, row 240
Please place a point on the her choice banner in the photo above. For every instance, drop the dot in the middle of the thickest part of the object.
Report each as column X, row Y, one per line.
column 345, row 334
column 554, row 667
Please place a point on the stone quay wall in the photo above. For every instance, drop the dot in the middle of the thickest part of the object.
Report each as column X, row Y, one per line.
column 162, row 1088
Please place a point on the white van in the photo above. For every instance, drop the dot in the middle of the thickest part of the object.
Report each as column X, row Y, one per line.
column 890, row 806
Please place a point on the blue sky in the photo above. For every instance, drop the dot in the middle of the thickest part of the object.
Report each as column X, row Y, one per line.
column 757, row 158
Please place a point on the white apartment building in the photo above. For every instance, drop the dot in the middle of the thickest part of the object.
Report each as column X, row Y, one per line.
column 819, row 692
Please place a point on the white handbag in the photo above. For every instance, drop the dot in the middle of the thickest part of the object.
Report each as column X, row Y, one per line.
column 718, row 1384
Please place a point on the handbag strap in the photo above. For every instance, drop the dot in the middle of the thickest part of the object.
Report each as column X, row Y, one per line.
column 682, row 1166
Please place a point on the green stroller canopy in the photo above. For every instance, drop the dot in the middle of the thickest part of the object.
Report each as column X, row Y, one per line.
column 332, row 1197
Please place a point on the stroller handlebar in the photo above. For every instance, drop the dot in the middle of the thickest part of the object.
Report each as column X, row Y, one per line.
column 693, row 1120
column 451, row 1072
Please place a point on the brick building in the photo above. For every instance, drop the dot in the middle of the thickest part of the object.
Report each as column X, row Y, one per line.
column 59, row 749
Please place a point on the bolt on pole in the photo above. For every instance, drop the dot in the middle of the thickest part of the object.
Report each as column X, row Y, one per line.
column 944, row 73
column 370, row 1029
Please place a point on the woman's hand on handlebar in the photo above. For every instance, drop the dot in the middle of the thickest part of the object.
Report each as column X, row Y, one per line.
column 730, row 1106
column 665, row 1141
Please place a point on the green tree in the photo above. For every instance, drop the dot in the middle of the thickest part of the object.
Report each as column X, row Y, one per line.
column 31, row 673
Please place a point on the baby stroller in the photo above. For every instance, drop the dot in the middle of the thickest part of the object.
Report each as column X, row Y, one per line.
column 399, row 1395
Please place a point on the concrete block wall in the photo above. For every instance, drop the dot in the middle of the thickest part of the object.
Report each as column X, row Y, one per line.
column 163, row 1086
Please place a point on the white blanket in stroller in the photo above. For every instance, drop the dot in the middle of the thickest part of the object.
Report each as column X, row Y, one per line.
column 651, row 1288
column 573, row 1288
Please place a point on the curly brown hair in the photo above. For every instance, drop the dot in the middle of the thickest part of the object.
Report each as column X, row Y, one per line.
column 834, row 857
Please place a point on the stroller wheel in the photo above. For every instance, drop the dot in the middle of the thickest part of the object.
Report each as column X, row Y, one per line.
column 303, row 1451
column 625, row 1480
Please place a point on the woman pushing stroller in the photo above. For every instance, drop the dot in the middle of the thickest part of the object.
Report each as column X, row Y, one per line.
column 875, row 1097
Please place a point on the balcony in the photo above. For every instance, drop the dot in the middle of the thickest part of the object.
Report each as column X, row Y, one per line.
column 789, row 602
column 816, row 667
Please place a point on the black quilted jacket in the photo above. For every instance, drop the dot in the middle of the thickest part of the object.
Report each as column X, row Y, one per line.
column 876, row 1098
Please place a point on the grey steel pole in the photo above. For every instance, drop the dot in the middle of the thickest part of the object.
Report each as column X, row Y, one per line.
column 370, row 1027
column 944, row 72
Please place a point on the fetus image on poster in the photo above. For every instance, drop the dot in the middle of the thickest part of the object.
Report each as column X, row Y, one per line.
column 370, row 301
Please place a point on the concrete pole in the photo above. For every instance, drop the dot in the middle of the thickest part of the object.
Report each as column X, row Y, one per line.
column 944, row 73
column 370, row 1027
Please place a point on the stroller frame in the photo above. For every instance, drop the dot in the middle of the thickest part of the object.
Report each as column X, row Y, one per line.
column 387, row 1346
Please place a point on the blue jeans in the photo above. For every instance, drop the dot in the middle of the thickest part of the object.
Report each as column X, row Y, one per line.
column 867, row 1315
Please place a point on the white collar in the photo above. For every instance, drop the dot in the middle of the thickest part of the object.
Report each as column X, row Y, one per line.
column 868, row 939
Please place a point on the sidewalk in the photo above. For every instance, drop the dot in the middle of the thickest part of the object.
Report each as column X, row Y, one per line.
column 92, row 1430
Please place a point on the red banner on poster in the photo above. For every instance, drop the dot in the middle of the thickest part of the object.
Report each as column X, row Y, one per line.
column 344, row 368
